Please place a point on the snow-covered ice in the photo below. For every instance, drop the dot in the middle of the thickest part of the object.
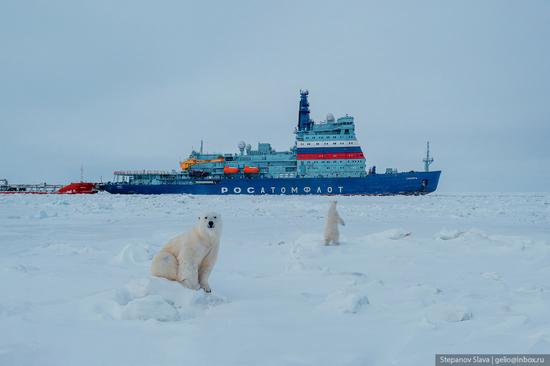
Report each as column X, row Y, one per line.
column 414, row 276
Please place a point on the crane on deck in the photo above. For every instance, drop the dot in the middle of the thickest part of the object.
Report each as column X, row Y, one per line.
column 187, row 164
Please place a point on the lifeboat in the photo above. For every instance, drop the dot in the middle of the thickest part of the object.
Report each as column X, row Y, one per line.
column 251, row 170
column 230, row 170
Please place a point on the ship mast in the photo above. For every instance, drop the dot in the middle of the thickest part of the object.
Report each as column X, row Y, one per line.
column 304, row 121
column 427, row 160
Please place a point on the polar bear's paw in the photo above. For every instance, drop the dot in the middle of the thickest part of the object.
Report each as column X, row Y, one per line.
column 208, row 300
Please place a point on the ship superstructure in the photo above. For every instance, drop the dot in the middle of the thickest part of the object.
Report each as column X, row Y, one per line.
column 326, row 158
column 327, row 149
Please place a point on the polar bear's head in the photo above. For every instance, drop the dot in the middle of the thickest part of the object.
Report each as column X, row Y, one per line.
column 210, row 224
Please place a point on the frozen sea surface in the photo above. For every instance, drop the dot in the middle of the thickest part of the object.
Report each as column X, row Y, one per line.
column 414, row 276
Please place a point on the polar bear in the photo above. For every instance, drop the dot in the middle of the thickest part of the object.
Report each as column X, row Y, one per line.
column 189, row 258
column 331, row 225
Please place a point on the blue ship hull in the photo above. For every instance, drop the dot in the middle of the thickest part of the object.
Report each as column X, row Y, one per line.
column 374, row 184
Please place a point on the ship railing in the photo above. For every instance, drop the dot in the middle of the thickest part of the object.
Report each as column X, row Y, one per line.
column 143, row 172
column 31, row 187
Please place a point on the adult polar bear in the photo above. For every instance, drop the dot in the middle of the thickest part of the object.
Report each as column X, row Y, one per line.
column 190, row 257
column 331, row 226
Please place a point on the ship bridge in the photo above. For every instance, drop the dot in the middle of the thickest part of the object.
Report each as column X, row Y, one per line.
column 328, row 148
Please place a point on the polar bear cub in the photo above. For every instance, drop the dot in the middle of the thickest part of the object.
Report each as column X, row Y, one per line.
column 331, row 225
column 189, row 258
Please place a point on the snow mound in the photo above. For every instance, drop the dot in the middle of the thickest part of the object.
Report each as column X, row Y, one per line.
column 134, row 254
column 449, row 234
column 61, row 203
column 44, row 215
column 467, row 235
column 69, row 249
column 303, row 249
column 491, row 276
column 450, row 313
column 150, row 307
column 392, row 234
column 422, row 294
column 157, row 299
column 23, row 268
column 345, row 301
column 105, row 206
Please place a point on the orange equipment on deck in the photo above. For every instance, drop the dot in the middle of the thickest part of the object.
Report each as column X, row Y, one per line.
column 230, row 170
column 251, row 170
column 185, row 165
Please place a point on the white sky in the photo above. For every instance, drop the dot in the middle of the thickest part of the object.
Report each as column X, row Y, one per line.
column 135, row 85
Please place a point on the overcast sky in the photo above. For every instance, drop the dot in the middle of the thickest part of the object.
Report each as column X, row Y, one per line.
column 136, row 84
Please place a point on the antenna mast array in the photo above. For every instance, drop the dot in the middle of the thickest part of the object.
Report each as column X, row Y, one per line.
column 427, row 160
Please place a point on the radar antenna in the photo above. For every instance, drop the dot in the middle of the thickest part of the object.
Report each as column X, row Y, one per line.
column 427, row 160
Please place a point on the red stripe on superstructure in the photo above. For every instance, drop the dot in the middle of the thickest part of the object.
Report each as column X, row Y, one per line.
column 329, row 156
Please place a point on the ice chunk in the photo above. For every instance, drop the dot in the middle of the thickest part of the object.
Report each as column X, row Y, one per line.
column 150, row 307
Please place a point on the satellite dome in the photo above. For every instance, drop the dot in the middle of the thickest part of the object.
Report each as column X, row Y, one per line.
column 242, row 145
column 330, row 118
column 248, row 147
